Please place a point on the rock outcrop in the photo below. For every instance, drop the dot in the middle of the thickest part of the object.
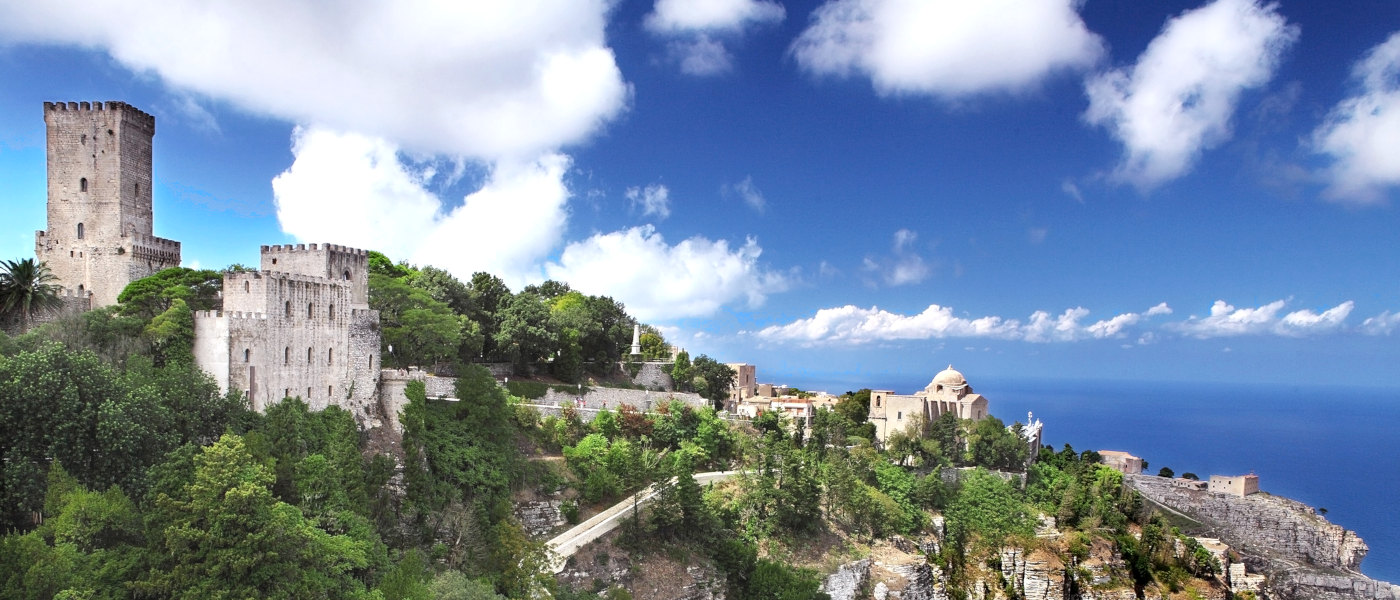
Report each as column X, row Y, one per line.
column 1304, row 556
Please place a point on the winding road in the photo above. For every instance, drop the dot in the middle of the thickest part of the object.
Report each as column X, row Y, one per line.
column 566, row 544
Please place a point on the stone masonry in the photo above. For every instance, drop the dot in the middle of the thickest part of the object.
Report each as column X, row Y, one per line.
column 100, row 235
column 299, row 327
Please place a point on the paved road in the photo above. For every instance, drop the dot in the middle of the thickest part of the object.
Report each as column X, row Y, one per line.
column 569, row 542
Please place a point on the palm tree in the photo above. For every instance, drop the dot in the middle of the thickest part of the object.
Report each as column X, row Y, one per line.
column 26, row 291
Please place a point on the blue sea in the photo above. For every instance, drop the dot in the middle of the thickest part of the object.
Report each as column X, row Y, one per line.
column 1332, row 447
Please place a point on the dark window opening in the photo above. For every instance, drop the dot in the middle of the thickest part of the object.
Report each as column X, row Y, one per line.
column 330, row 356
column 80, row 231
column 309, row 310
column 274, row 261
column 80, row 289
column 289, row 309
column 246, row 287
column 82, row 184
column 287, row 355
column 330, row 312
column 346, row 276
column 328, row 391
column 308, row 356
column 138, row 189
column 246, row 354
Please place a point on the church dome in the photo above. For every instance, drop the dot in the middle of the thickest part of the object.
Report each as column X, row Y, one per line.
column 949, row 377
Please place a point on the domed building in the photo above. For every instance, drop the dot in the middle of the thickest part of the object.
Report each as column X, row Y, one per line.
column 949, row 392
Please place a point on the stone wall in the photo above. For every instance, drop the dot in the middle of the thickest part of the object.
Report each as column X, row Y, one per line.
column 654, row 376
column 99, row 234
column 392, row 383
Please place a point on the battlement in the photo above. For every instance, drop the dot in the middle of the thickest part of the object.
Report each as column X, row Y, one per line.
column 153, row 242
column 232, row 315
column 293, row 248
column 297, row 277
column 129, row 113
column 69, row 293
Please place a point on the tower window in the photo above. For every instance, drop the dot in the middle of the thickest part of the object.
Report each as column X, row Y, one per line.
column 82, row 184
column 330, row 356
column 247, row 354
column 80, row 289
column 287, row 355
column 309, row 310
column 328, row 391
column 138, row 189
column 330, row 312
column 308, row 356
column 246, row 287
column 289, row 309
column 80, row 225
column 346, row 276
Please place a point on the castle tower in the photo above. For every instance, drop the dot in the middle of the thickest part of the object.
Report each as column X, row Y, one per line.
column 99, row 235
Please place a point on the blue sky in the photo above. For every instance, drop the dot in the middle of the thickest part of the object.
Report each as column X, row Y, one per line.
column 845, row 193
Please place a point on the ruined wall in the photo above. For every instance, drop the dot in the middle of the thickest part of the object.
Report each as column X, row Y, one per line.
column 654, row 376
column 392, row 383
column 100, row 228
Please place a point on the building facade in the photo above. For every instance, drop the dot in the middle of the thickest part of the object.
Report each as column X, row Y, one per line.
column 1234, row 485
column 949, row 392
column 100, row 222
column 1122, row 462
column 300, row 326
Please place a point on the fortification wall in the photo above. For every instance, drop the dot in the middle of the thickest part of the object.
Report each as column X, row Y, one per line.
column 99, row 232
column 342, row 264
column 392, row 383
column 611, row 398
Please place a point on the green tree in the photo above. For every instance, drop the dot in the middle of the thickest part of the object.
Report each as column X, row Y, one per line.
column 523, row 335
column 1166, row 472
column 681, row 373
column 987, row 508
column 714, row 379
column 153, row 295
column 230, row 538
column 488, row 296
column 27, row 291
column 443, row 287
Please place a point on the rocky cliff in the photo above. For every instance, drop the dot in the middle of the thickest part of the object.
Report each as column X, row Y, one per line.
column 1305, row 556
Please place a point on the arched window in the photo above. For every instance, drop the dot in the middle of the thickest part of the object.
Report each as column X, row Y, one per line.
column 346, row 276
column 80, row 231
column 80, row 289
column 138, row 189
column 82, row 184
column 308, row 392
column 247, row 354
column 308, row 310
column 289, row 309
column 287, row 355
column 308, row 356
column 246, row 287
column 330, row 312
column 330, row 356
column 328, row 391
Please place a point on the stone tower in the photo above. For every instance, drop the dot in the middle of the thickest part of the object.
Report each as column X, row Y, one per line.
column 99, row 235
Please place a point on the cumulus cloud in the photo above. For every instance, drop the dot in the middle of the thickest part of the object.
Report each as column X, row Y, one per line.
column 749, row 193
column 654, row 200
column 356, row 190
column 946, row 48
column 1381, row 324
column 1177, row 100
column 1225, row 320
column 853, row 325
column 1360, row 133
column 697, row 26
column 488, row 80
column 659, row 281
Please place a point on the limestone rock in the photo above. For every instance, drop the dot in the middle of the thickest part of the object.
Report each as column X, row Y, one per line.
column 848, row 581
column 539, row 518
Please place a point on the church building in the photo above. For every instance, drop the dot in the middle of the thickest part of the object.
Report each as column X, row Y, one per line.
column 949, row 392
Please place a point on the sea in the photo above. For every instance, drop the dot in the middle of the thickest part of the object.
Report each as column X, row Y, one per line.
column 1332, row 447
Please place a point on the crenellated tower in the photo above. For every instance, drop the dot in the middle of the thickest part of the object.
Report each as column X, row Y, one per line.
column 100, row 233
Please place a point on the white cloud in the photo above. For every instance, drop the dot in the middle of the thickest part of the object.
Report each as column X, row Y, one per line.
column 701, row 56
column 354, row 189
column 749, row 193
column 904, row 267
column 697, row 27
column 1227, row 321
column 659, row 281
column 1177, row 100
column 946, row 48
column 1360, row 133
column 854, row 325
column 654, row 200
column 1381, row 324
column 488, row 80
column 712, row 15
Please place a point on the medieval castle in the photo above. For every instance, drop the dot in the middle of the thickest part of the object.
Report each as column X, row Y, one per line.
column 299, row 326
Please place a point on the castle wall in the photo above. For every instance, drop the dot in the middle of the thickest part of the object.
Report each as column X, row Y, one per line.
column 285, row 335
column 99, row 235
column 342, row 264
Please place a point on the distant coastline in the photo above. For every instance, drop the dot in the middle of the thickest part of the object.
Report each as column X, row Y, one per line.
column 1316, row 444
